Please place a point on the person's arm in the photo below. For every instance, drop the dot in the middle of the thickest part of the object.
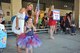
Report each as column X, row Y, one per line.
column 34, row 28
column 4, row 28
column 17, row 20
column 24, row 29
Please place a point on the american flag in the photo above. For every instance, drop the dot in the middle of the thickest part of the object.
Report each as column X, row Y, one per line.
column 37, row 11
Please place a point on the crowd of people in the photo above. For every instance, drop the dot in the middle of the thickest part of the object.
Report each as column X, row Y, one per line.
column 68, row 25
column 23, row 27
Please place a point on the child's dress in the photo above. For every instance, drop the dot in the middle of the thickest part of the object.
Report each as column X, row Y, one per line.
column 21, row 18
column 28, row 40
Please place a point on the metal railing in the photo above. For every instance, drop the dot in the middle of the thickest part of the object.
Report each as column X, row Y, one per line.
column 10, row 32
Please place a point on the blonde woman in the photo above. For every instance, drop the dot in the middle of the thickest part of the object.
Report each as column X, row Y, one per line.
column 52, row 23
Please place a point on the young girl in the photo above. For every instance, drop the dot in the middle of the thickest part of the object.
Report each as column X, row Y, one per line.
column 3, row 35
column 29, row 39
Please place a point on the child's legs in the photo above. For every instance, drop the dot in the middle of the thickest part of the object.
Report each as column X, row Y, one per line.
column 1, row 50
column 26, row 50
column 31, row 50
column 18, row 48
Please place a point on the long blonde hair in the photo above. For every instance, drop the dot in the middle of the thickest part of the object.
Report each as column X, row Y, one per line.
column 50, row 9
column 29, row 4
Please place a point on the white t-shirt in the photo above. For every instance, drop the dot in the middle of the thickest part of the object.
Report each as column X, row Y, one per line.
column 2, row 27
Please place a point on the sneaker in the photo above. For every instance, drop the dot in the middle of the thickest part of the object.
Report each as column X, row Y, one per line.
column 51, row 37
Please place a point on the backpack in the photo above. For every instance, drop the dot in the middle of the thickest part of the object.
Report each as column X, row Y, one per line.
column 12, row 18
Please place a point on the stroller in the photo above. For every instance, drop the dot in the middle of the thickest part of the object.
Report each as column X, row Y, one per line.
column 3, row 39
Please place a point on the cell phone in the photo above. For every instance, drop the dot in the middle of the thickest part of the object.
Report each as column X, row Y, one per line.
column 18, row 28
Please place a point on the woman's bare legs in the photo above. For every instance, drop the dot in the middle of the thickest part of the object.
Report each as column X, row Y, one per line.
column 51, row 32
column 54, row 28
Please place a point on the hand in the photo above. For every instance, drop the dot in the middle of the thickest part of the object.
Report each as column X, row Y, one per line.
column 17, row 27
column 4, row 30
column 35, row 30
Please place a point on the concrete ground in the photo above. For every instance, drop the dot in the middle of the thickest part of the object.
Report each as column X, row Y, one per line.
column 63, row 43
